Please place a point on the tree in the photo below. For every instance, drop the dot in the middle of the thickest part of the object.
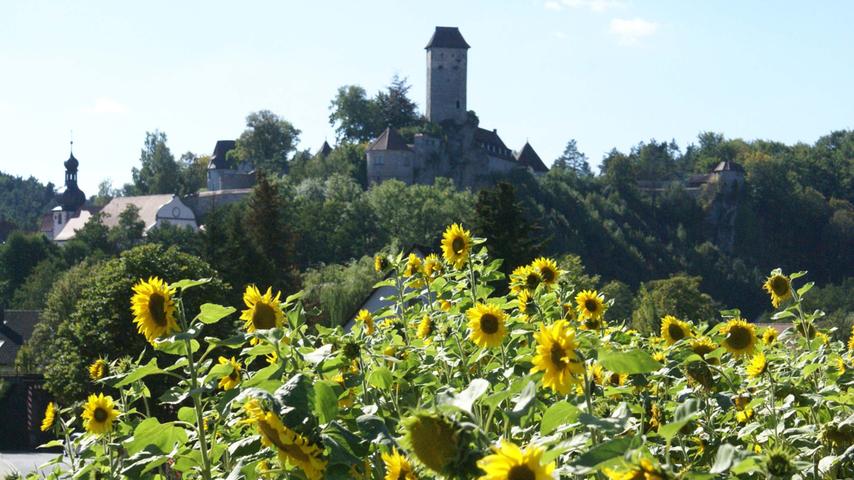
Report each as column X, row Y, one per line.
column 395, row 108
column 509, row 233
column 159, row 171
column 193, row 173
column 18, row 257
column 100, row 323
column 339, row 289
column 266, row 143
column 269, row 231
column 106, row 192
column 678, row 295
column 129, row 231
column 573, row 160
column 354, row 115
column 32, row 292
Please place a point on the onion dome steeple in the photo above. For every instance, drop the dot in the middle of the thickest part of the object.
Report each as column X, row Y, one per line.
column 72, row 198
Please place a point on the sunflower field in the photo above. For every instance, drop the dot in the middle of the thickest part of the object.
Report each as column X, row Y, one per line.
column 452, row 380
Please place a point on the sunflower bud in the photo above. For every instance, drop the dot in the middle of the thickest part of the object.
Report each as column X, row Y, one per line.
column 351, row 350
column 778, row 463
column 699, row 372
column 433, row 439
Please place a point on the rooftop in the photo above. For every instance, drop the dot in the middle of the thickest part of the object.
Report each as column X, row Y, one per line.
column 389, row 140
column 447, row 37
column 529, row 158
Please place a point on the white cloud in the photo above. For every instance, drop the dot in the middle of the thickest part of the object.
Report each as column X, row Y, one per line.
column 630, row 31
column 106, row 105
column 592, row 5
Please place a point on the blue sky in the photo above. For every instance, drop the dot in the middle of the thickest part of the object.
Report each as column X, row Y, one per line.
column 609, row 73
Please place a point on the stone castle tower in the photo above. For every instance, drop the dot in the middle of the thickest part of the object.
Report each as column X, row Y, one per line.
column 447, row 59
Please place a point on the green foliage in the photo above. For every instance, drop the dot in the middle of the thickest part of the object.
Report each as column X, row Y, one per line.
column 678, row 295
column 24, row 201
column 100, row 318
column 413, row 214
column 511, row 235
column 159, row 172
column 358, row 119
column 19, row 255
column 338, row 290
column 266, row 143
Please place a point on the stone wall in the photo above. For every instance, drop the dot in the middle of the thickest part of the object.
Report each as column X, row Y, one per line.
column 446, row 84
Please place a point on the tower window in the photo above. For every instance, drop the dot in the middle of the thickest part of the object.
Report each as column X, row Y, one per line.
column 458, row 104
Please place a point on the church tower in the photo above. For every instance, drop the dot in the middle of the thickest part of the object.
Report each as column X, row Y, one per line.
column 447, row 58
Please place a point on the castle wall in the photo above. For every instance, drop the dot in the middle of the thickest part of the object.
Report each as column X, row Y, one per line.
column 387, row 164
column 446, row 84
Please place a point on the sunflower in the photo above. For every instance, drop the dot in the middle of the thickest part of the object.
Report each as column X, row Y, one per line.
column 425, row 327
column 486, row 322
column 99, row 413
column 556, row 357
column 526, row 303
column 851, row 340
column 232, row 379
column 744, row 415
column 779, row 287
column 509, row 462
column 291, row 447
column 432, row 266
column 547, row 268
column 98, row 369
column 769, row 336
column 592, row 324
column 456, row 245
column 153, row 309
column 263, row 312
column 367, row 320
column 590, row 304
column 433, row 439
column 380, row 263
column 49, row 417
column 644, row 470
column 757, row 365
column 673, row 329
column 703, row 346
column 397, row 467
column 739, row 337
column 445, row 305
column 413, row 265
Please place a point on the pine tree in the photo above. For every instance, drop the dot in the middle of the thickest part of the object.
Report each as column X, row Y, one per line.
column 502, row 220
column 271, row 235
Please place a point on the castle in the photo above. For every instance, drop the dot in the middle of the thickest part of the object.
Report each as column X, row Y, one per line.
column 469, row 155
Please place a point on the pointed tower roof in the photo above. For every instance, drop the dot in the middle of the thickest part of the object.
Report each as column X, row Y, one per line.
column 325, row 149
column 221, row 149
column 447, row 37
column 727, row 166
column 529, row 158
column 389, row 140
column 72, row 198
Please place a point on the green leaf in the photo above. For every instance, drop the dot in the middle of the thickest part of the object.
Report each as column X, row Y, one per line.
column 212, row 313
column 465, row 399
column 557, row 414
column 380, row 378
column 631, row 362
column 604, row 452
column 727, row 456
column 185, row 284
column 325, row 401
column 671, row 429
column 522, row 402
column 151, row 433
column 139, row 373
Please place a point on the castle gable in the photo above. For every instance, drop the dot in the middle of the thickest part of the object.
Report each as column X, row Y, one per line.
column 389, row 140
column 447, row 37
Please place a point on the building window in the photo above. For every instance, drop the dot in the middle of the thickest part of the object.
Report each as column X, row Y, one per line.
column 458, row 104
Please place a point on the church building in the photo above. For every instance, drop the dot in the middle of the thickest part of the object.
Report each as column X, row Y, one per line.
column 470, row 155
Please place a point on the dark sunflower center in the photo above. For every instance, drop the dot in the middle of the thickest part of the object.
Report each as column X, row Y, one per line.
column 404, row 472
column 489, row 323
column 100, row 415
column 675, row 331
column 233, row 374
column 702, row 349
column 521, row 472
column 264, row 317
column 591, row 305
column 457, row 245
column 532, row 280
column 739, row 338
column 557, row 355
column 271, row 434
column 780, row 286
column 157, row 308
column 548, row 274
column 615, row 379
column 592, row 324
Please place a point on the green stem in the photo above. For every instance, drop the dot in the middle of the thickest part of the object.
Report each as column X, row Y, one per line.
column 588, row 398
column 197, row 397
